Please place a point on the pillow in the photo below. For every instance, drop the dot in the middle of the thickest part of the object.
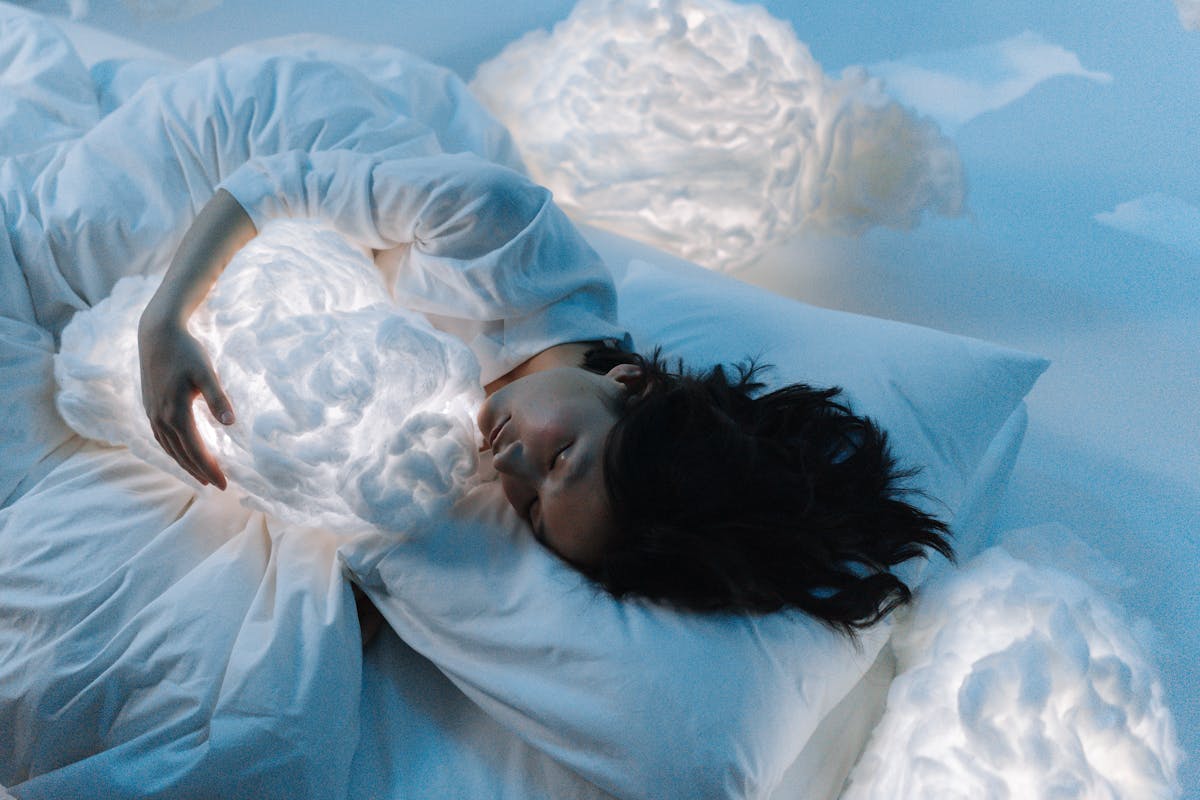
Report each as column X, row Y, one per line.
column 644, row 701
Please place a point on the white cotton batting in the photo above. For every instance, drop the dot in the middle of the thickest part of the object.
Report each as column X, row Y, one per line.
column 706, row 128
column 1018, row 681
column 351, row 411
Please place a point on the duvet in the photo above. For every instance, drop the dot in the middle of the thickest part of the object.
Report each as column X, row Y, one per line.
column 159, row 639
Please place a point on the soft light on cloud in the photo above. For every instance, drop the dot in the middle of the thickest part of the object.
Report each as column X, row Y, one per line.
column 956, row 86
column 1189, row 13
column 706, row 128
column 1016, row 680
column 352, row 413
column 1158, row 217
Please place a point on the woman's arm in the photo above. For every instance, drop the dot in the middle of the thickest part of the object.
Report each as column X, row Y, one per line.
column 481, row 250
column 174, row 366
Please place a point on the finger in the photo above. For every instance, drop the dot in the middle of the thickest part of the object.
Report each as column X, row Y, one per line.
column 189, row 437
column 174, row 447
column 183, row 453
column 163, row 443
column 176, row 452
column 215, row 397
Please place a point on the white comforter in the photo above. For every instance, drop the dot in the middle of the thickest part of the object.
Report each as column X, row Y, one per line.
column 163, row 641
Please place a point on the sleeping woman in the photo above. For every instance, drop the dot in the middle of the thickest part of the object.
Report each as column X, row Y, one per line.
column 696, row 489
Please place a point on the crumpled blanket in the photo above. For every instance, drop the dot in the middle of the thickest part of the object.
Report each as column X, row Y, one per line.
column 158, row 641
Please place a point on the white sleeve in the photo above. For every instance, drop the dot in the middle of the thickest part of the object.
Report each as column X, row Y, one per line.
column 482, row 251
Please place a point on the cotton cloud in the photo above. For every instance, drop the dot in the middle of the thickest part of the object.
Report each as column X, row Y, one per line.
column 353, row 413
column 1158, row 217
column 1189, row 13
column 706, row 128
column 1017, row 680
column 955, row 87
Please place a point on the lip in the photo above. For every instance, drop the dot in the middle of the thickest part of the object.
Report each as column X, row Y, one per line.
column 496, row 431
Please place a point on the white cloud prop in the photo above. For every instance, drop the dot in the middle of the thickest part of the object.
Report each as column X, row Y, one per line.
column 352, row 412
column 957, row 86
column 707, row 129
column 1018, row 681
column 1158, row 217
column 1189, row 13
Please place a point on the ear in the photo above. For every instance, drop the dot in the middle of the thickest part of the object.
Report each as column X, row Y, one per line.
column 629, row 376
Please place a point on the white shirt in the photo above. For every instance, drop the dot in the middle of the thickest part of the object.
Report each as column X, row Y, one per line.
column 476, row 247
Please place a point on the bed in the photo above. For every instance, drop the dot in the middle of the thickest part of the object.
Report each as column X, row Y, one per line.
column 157, row 640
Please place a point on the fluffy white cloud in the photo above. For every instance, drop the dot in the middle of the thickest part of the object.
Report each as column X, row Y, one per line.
column 707, row 128
column 955, row 87
column 352, row 413
column 1158, row 217
column 1018, row 681
column 1189, row 13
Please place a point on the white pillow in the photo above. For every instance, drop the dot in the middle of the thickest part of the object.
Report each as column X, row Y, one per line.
column 647, row 702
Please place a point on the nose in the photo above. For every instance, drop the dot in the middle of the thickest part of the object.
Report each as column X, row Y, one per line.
column 511, row 460
column 516, row 480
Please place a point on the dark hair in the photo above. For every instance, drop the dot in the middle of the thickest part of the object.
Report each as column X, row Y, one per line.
column 731, row 499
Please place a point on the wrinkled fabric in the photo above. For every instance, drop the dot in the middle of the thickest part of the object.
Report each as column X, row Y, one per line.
column 313, row 135
column 159, row 640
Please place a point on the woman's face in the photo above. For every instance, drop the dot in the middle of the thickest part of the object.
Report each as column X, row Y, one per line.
column 547, row 432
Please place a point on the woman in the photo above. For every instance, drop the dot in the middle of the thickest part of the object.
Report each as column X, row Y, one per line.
column 694, row 490
column 689, row 489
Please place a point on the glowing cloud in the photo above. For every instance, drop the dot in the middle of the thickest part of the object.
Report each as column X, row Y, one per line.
column 352, row 412
column 707, row 129
column 1189, row 13
column 1018, row 681
column 1158, row 217
column 957, row 86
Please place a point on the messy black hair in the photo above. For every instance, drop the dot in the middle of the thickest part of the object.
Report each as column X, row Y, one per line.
column 728, row 498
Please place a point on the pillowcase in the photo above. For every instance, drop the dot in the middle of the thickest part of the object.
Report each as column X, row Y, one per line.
column 648, row 702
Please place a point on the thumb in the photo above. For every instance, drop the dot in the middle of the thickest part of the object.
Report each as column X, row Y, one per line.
column 218, row 403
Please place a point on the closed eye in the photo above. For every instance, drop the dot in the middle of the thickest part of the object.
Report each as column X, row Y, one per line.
column 560, row 456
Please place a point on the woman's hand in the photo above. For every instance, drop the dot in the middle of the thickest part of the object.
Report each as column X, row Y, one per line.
column 175, row 369
column 174, row 366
